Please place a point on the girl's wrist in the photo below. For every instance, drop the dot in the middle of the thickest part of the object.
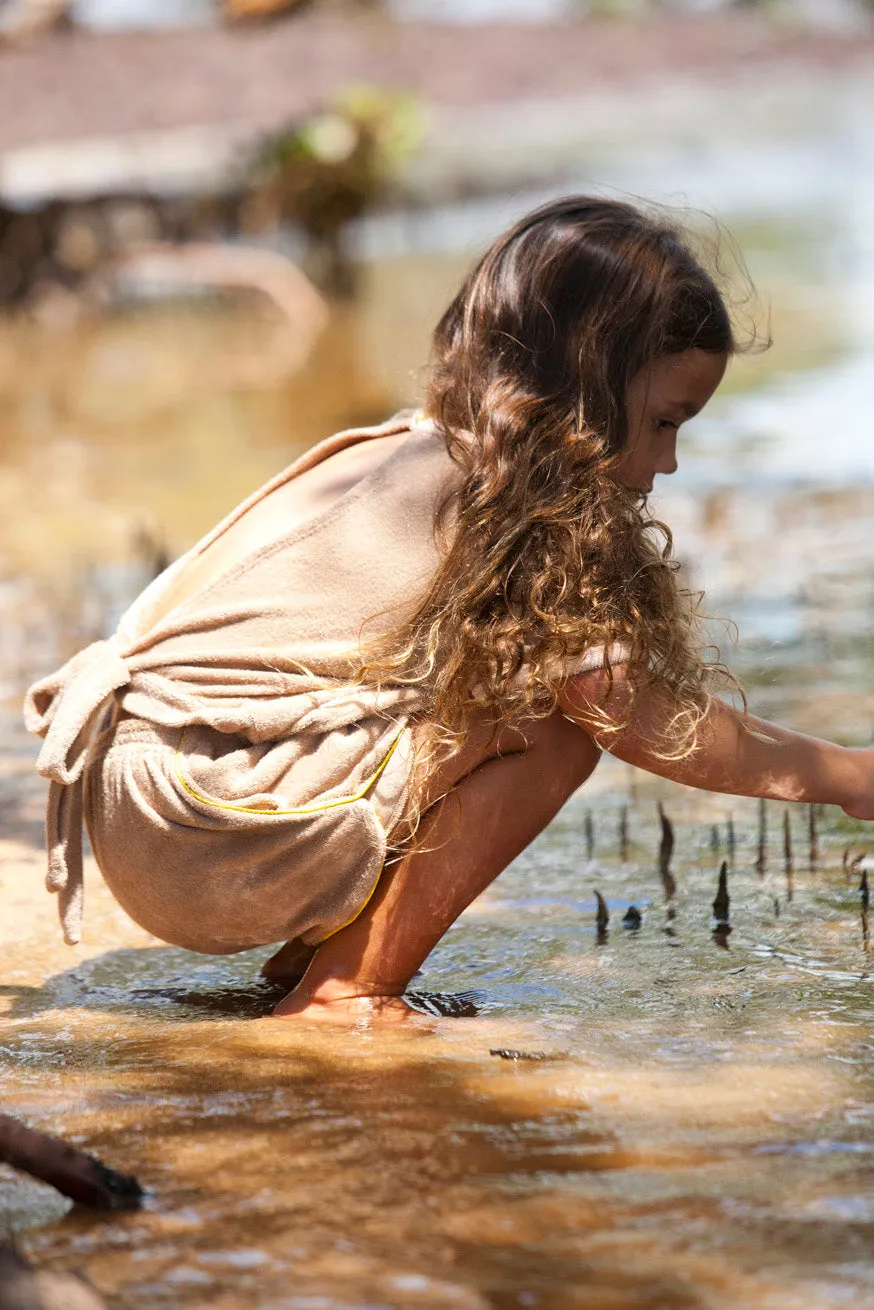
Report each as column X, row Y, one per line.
column 846, row 777
column 857, row 797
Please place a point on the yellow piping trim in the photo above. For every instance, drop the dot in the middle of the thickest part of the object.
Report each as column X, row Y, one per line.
column 303, row 809
column 362, row 907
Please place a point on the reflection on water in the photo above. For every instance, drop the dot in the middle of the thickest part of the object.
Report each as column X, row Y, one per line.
column 663, row 1099
column 606, row 1132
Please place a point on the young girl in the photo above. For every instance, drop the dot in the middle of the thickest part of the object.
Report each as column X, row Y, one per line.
column 338, row 717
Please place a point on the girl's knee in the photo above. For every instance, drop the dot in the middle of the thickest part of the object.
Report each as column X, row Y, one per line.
column 572, row 751
column 591, row 687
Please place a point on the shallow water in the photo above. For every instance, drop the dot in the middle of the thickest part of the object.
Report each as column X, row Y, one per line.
column 700, row 1131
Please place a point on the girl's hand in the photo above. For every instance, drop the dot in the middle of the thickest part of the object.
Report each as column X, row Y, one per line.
column 861, row 806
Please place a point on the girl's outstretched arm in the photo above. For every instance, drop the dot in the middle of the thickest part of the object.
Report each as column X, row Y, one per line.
column 737, row 753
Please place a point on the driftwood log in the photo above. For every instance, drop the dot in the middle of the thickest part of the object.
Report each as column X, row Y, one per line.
column 73, row 1173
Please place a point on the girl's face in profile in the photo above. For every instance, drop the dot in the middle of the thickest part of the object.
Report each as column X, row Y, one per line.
column 660, row 397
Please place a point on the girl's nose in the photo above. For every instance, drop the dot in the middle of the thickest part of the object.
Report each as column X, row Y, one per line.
column 668, row 460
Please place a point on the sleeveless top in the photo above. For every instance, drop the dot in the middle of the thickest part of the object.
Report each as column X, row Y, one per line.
column 251, row 675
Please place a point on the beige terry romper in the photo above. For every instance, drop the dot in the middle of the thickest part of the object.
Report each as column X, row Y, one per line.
column 248, row 797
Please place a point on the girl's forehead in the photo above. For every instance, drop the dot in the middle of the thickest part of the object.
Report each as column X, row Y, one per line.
column 687, row 380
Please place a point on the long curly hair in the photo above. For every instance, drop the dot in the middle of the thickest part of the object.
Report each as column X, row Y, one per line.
column 545, row 555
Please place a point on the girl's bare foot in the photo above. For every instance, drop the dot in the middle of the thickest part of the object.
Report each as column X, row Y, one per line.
column 350, row 1011
column 289, row 964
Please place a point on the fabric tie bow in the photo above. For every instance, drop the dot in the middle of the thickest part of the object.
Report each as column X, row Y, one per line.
column 65, row 709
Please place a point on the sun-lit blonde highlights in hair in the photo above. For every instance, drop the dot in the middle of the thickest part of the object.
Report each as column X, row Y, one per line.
column 546, row 556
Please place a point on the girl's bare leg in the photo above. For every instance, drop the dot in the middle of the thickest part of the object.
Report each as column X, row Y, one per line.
column 497, row 804
column 289, row 964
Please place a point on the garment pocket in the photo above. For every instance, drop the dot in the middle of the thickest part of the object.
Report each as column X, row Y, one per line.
column 248, row 779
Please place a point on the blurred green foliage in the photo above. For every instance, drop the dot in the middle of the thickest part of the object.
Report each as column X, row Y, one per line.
column 332, row 167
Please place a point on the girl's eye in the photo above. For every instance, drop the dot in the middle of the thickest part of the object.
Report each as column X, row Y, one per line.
column 662, row 423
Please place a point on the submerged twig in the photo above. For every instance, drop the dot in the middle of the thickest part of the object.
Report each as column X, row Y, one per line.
column 623, row 834
column 73, row 1173
column 714, row 837
column 787, row 842
column 721, row 934
column 730, row 839
column 812, row 835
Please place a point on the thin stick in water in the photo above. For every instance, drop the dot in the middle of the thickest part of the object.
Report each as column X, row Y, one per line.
column 590, row 836
column 762, row 856
column 666, row 850
column 602, row 919
column 666, row 845
column 623, row 834
column 864, row 898
column 73, row 1173
column 722, row 903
